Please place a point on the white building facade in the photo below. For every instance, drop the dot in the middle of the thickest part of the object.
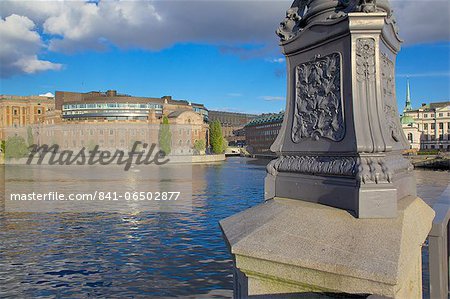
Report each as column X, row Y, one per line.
column 428, row 127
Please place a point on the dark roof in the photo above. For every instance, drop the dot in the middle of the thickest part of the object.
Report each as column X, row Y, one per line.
column 227, row 113
column 430, row 107
column 439, row 105
column 177, row 113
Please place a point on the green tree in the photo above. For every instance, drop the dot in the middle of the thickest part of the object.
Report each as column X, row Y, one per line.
column 224, row 145
column 199, row 146
column 165, row 136
column 216, row 137
column 30, row 138
column 16, row 147
column 3, row 146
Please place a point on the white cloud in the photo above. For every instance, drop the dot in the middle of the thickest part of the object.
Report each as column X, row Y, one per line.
column 272, row 98
column 19, row 47
column 151, row 25
column 71, row 26
column 48, row 95
column 31, row 64
column 276, row 60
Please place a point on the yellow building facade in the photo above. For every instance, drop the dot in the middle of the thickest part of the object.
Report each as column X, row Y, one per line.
column 22, row 111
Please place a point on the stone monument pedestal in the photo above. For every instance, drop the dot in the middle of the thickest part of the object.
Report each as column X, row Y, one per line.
column 286, row 246
column 340, row 145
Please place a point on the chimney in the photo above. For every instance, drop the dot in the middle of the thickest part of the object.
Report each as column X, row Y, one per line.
column 111, row 93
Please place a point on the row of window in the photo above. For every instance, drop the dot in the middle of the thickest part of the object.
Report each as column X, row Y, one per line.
column 112, row 143
column 440, row 114
column 441, row 146
column 78, row 112
column 112, row 132
column 433, row 126
column 15, row 111
column 427, row 137
column 112, row 105
column 433, row 137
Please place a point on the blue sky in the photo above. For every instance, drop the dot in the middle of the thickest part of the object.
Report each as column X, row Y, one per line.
column 224, row 64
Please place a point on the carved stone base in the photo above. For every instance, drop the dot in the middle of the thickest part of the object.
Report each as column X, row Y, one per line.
column 368, row 186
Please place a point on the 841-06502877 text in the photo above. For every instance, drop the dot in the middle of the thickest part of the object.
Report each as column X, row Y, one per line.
column 98, row 195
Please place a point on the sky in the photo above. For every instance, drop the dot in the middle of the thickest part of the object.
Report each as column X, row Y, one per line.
column 223, row 54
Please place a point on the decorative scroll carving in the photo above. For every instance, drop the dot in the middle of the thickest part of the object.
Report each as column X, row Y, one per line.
column 365, row 59
column 366, row 169
column 287, row 27
column 388, row 96
column 381, row 169
column 368, row 6
column 318, row 107
column 315, row 165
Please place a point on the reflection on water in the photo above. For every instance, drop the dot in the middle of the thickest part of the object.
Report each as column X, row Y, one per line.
column 140, row 254
column 130, row 255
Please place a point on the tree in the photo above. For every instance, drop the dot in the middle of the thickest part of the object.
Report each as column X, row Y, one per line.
column 200, row 146
column 16, row 148
column 224, row 145
column 216, row 137
column 30, row 138
column 165, row 136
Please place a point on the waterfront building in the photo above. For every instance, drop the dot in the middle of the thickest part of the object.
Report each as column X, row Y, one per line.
column 261, row 132
column 22, row 111
column 427, row 127
column 111, row 120
column 111, row 105
column 232, row 125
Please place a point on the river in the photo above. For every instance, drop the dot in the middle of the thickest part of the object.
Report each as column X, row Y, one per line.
column 141, row 254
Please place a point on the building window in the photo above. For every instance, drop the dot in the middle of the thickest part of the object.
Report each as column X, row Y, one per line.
column 432, row 147
column 441, row 126
column 441, row 137
column 425, row 115
column 425, row 126
column 410, row 137
column 433, row 126
column 39, row 111
column 441, row 114
column 432, row 114
column 15, row 111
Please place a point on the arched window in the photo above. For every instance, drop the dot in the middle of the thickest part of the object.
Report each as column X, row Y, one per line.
column 410, row 137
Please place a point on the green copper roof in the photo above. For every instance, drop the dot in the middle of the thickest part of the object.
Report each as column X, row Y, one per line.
column 406, row 120
column 408, row 98
column 266, row 119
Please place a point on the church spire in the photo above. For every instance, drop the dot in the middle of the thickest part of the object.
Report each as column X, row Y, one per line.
column 408, row 97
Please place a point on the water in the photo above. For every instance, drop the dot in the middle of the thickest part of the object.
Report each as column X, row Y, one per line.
column 144, row 254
